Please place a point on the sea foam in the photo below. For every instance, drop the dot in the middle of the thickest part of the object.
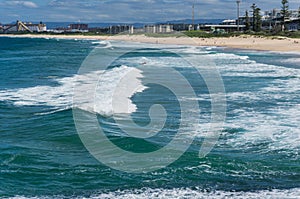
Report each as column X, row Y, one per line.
column 60, row 97
column 183, row 193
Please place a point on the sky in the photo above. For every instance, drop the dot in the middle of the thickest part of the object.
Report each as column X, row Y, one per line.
column 126, row 11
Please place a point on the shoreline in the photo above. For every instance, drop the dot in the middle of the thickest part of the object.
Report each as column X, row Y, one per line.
column 246, row 42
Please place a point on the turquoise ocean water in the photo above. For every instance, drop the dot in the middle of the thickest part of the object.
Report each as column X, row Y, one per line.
column 42, row 156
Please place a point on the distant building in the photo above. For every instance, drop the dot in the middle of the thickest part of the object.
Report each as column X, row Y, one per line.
column 221, row 28
column 165, row 28
column 79, row 26
column 181, row 27
column 37, row 27
column 293, row 14
column 272, row 14
column 138, row 30
column 121, row 29
column 159, row 28
column 293, row 25
column 273, row 20
column 150, row 28
column 229, row 22
column 99, row 30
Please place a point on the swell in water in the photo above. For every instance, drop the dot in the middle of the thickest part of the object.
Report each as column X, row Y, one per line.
column 41, row 156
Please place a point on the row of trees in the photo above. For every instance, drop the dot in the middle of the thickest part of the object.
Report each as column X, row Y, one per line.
column 256, row 23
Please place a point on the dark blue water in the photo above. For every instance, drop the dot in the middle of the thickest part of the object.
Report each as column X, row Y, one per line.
column 42, row 155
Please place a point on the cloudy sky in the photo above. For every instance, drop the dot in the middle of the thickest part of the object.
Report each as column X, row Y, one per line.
column 127, row 11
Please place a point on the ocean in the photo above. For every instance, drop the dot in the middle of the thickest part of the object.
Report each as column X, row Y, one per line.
column 53, row 91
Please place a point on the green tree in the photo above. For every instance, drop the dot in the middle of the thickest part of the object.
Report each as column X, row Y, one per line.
column 285, row 9
column 284, row 12
column 247, row 21
column 258, row 22
column 253, row 7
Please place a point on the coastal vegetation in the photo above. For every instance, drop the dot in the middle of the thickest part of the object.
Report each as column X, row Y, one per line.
column 203, row 34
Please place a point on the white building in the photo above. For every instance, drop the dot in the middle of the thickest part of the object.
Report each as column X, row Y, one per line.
column 128, row 29
column 37, row 27
column 160, row 28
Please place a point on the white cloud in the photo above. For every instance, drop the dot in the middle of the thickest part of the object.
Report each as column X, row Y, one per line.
column 27, row 4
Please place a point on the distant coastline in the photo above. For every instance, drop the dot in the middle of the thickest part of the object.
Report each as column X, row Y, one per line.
column 277, row 44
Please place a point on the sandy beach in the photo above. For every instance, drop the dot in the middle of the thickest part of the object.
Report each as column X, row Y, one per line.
column 279, row 44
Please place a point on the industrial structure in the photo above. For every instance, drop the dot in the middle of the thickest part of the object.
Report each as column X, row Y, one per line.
column 20, row 26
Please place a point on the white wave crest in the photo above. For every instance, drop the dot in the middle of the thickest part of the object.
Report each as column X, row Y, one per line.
column 61, row 97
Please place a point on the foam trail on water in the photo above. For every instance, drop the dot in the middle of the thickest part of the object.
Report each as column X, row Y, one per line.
column 103, row 44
